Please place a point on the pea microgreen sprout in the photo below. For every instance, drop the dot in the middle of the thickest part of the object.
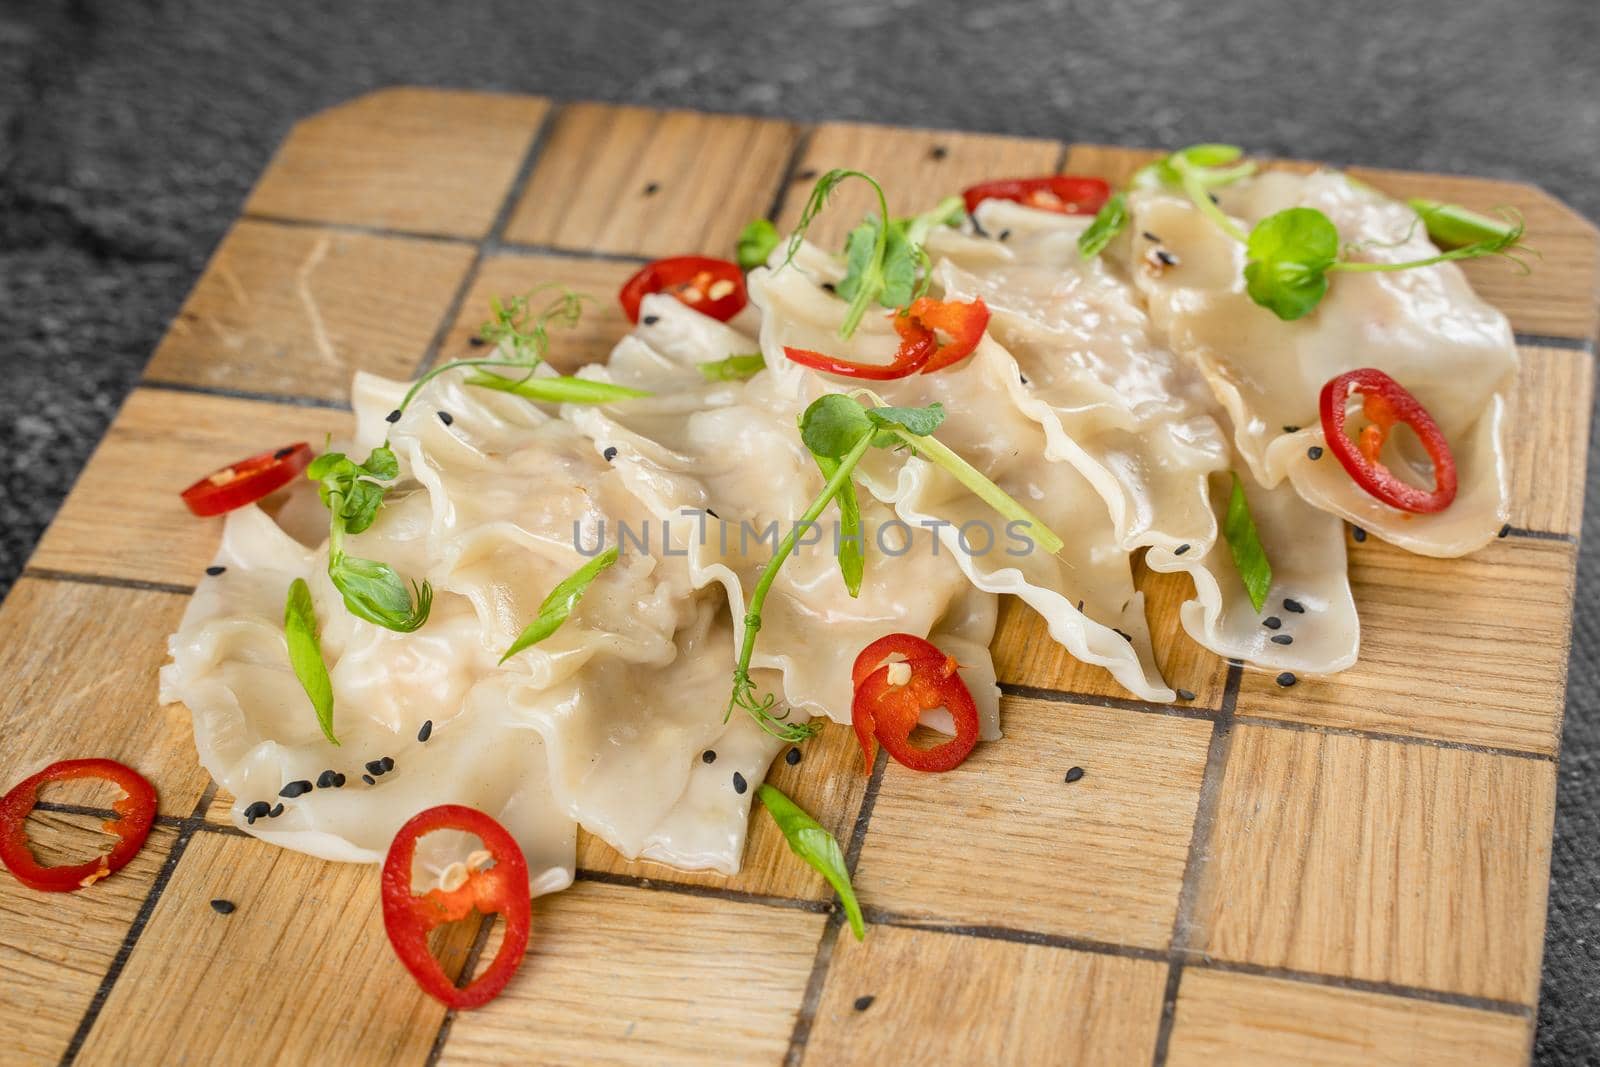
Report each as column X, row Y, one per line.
column 1197, row 170
column 884, row 261
column 839, row 430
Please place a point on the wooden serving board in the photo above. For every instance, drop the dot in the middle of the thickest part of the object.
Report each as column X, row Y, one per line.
column 1350, row 871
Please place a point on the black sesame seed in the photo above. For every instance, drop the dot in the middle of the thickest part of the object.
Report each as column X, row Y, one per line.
column 977, row 227
column 1272, row 622
column 1123, row 634
column 1314, row 452
column 708, row 756
column 1286, row 679
column 1167, row 258
column 1074, row 774
column 938, row 151
column 446, row 418
column 1080, row 607
column 393, row 416
column 375, row 766
column 327, row 780
column 223, row 907
column 1294, row 606
column 387, row 763
column 1358, row 533
column 1505, row 531
column 282, row 452
column 277, row 810
column 259, row 809
column 1291, row 429
column 652, row 189
column 1148, row 236
column 830, row 287
column 1024, row 378
column 1180, row 550
column 712, row 512
column 650, row 320
column 477, row 342
column 1214, row 199
column 1184, row 694
column 297, row 788
column 426, row 731
column 609, row 454
column 215, row 570
column 863, row 1003
column 1005, row 235
column 805, row 175
column 792, row 757
column 369, row 779
column 1282, row 639
column 739, row 784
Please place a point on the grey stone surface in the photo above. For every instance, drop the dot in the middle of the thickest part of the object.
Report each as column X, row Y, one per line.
column 130, row 131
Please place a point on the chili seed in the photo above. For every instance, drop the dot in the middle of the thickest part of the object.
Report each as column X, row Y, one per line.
column 1286, row 679
column 369, row 779
column 1505, row 531
column 446, row 418
column 1294, row 606
column 1272, row 622
column 863, row 1003
column 297, row 788
column 792, row 757
column 1358, row 533
column 223, row 907
column 708, row 756
column 1074, row 774
column 217, row 569
column 739, row 784
column 426, row 731
column 393, row 416
column 259, row 809
column 609, row 454
column 277, row 810
column 1180, row 550
column 1184, row 694
column 1314, row 452
column 1282, row 639
column 650, row 320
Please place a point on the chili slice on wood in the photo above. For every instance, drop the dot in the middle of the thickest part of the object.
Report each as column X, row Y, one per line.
column 1061, row 193
column 136, row 811
column 712, row 287
column 919, row 326
column 887, row 712
column 1385, row 403
column 247, row 481
column 500, row 889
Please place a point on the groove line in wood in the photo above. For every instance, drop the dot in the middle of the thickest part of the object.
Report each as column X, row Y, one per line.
column 1397, row 739
column 1101, row 700
column 286, row 399
column 354, row 228
column 1540, row 340
column 558, row 252
column 689, row 889
column 474, row 954
column 49, row 574
column 802, row 142
column 1361, row 985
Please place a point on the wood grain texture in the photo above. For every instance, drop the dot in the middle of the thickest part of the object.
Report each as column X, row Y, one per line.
column 1387, row 862
column 298, row 310
column 1025, row 654
column 601, row 326
column 829, row 782
column 55, row 947
column 917, row 169
column 1557, row 297
column 66, row 698
column 1471, row 650
column 1248, row 1021
column 938, row 998
column 1550, row 439
column 651, row 183
column 302, row 972
column 1003, row 840
column 419, row 160
column 617, row 975
column 124, row 517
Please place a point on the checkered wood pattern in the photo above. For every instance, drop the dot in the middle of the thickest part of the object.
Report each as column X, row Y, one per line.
column 1350, row 871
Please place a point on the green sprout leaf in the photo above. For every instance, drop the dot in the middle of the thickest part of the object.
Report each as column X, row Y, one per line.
column 305, row 653
column 375, row 592
column 1239, row 529
column 1111, row 220
column 1290, row 255
column 734, row 368
column 811, row 842
column 852, row 546
column 557, row 607
column 1453, row 226
column 756, row 242
column 556, row 390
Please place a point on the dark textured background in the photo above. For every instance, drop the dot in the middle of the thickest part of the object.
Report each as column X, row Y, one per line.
column 130, row 131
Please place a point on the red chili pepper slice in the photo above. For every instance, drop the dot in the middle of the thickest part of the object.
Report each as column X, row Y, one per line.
column 499, row 889
column 1061, row 193
column 920, row 348
column 712, row 287
column 1385, row 402
column 136, row 810
column 248, row 480
column 888, row 713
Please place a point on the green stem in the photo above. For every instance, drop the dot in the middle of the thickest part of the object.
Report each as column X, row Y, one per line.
column 939, row 454
column 1368, row 268
column 435, row 372
column 869, row 289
